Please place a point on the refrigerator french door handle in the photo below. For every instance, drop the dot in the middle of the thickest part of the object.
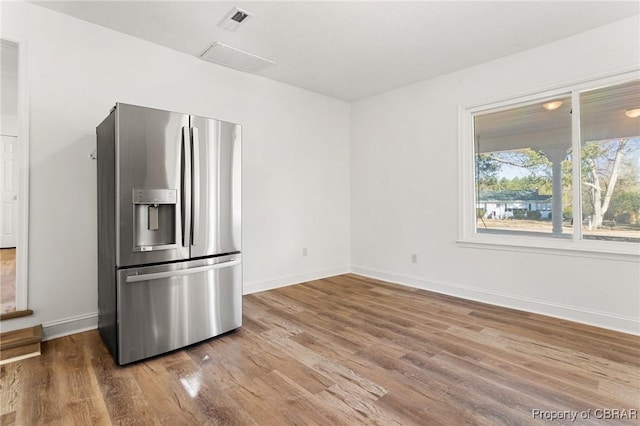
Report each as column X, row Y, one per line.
column 195, row 155
column 168, row 274
column 186, row 186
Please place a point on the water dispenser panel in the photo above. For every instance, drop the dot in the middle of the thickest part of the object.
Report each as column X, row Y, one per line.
column 154, row 212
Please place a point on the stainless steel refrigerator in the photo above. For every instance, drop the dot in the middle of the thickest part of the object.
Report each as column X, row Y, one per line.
column 169, row 231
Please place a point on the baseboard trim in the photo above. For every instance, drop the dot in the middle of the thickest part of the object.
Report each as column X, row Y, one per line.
column 629, row 325
column 78, row 324
column 256, row 287
column 67, row 326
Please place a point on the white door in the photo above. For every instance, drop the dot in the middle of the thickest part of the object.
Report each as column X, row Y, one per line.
column 8, row 191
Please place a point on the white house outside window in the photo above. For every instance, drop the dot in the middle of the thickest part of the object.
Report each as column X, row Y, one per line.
column 529, row 188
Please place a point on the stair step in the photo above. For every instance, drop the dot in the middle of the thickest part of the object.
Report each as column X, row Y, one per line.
column 20, row 344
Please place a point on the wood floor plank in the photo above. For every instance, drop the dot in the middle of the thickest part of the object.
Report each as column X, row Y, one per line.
column 343, row 350
column 39, row 380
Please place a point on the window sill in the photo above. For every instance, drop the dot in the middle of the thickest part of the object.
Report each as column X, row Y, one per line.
column 554, row 246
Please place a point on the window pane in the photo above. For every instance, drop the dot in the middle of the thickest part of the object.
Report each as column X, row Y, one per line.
column 523, row 170
column 610, row 161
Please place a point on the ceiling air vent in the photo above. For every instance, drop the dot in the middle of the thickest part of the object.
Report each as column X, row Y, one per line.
column 221, row 54
column 234, row 18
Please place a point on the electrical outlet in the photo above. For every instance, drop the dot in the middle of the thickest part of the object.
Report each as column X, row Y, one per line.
column 304, row 252
column 414, row 258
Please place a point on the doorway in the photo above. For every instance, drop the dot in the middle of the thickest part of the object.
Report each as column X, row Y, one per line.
column 8, row 279
column 13, row 179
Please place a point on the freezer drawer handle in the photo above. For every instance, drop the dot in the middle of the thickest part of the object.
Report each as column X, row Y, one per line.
column 167, row 274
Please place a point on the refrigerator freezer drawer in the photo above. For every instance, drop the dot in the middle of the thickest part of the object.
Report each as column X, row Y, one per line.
column 162, row 308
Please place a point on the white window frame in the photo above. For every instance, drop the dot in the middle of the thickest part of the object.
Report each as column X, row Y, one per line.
column 574, row 246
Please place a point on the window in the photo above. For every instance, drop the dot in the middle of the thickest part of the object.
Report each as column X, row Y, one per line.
column 561, row 169
column 610, row 163
column 523, row 176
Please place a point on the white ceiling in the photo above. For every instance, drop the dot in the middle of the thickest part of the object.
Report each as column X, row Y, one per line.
column 353, row 50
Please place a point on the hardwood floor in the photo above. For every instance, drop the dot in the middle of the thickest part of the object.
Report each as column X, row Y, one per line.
column 343, row 350
column 7, row 280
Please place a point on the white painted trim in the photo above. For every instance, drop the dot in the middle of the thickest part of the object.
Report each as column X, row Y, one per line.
column 466, row 166
column 608, row 250
column 601, row 319
column 72, row 325
column 576, row 172
column 22, row 258
column 296, row 279
column 467, row 235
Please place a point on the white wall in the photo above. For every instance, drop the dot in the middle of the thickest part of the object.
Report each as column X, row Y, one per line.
column 295, row 157
column 405, row 189
column 379, row 176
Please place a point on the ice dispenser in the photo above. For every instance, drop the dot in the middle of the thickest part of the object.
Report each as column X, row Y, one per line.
column 154, row 219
